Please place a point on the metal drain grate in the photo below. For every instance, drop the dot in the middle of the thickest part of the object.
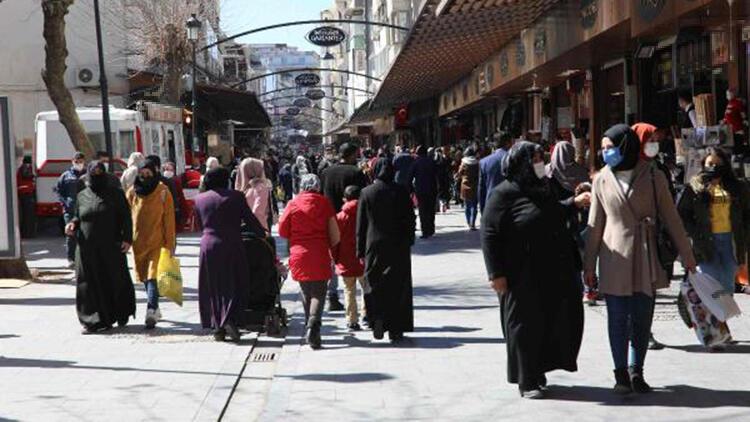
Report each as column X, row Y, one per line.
column 264, row 357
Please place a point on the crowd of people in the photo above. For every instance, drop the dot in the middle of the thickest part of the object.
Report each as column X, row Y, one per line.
column 349, row 215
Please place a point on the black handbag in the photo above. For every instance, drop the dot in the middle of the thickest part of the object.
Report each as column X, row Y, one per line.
column 665, row 248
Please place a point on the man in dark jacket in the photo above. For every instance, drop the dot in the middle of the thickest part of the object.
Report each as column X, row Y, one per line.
column 490, row 168
column 402, row 164
column 334, row 181
column 67, row 191
column 424, row 173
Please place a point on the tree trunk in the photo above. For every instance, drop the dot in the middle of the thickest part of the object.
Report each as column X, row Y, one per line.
column 174, row 65
column 14, row 268
column 53, row 73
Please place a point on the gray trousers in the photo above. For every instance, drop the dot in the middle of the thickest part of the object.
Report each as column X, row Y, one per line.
column 313, row 298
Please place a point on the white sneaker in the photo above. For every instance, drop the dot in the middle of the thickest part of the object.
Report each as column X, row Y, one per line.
column 152, row 317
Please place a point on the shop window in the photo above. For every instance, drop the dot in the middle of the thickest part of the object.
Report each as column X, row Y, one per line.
column 663, row 76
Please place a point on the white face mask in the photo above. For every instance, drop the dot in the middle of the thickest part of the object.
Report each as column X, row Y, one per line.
column 78, row 167
column 651, row 149
column 168, row 174
column 539, row 170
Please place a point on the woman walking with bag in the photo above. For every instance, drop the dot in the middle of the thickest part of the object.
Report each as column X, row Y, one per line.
column 223, row 273
column 625, row 210
column 540, row 305
column 153, row 229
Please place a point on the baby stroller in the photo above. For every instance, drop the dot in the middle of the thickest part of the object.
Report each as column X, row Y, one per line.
column 264, row 312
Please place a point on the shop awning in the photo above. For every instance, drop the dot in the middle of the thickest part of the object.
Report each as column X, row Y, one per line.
column 232, row 104
column 448, row 39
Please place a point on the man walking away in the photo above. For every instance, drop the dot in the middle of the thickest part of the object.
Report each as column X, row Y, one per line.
column 490, row 168
column 425, row 187
column 67, row 191
column 335, row 179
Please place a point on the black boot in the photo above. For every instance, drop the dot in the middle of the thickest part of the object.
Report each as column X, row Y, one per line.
column 653, row 344
column 334, row 305
column 313, row 333
column 378, row 329
column 638, row 383
column 622, row 382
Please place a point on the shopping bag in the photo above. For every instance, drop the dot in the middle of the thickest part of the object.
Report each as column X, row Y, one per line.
column 714, row 297
column 709, row 330
column 169, row 278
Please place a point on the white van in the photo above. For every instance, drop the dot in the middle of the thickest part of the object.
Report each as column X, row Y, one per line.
column 154, row 129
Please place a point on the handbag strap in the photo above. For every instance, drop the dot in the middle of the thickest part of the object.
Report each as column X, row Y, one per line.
column 656, row 197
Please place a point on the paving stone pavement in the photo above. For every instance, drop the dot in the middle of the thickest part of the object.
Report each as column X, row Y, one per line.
column 49, row 371
column 453, row 366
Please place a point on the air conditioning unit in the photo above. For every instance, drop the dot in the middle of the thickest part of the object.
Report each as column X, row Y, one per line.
column 87, row 76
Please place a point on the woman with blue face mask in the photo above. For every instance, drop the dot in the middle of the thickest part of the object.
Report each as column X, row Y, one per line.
column 622, row 229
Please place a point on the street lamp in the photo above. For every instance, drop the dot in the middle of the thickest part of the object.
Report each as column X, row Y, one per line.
column 193, row 31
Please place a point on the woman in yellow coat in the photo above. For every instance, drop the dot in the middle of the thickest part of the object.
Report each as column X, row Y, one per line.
column 153, row 229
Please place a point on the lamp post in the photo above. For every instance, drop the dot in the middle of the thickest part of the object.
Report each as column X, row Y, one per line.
column 103, row 87
column 193, row 32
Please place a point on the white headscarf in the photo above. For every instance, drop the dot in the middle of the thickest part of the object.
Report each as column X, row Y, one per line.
column 212, row 163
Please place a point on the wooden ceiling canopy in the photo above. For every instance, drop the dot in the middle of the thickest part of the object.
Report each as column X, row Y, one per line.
column 441, row 49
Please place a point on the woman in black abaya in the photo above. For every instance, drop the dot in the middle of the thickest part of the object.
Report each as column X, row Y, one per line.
column 104, row 231
column 385, row 233
column 532, row 264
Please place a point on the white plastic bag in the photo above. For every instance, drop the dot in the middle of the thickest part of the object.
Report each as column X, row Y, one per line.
column 709, row 330
column 718, row 301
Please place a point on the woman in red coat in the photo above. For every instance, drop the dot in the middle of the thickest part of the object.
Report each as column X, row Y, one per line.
column 309, row 223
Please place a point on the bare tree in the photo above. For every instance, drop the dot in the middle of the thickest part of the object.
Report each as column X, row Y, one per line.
column 53, row 74
column 157, row 33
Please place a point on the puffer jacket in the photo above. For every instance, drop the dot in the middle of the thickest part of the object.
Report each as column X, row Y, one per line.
column 694, row 209
column 347, row 262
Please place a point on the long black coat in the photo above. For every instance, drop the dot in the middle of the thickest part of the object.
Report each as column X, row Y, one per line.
column 385, row 233
column 104, row 292
column 526, row 241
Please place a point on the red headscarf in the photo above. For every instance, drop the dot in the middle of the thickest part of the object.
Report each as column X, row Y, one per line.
column 644, row 131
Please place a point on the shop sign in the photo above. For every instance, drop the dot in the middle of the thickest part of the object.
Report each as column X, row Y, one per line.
column 163, row 113
column 589, row 11
column 326, row 36
column 315, row 94
column 307, row 79
column 504, row 65
column 10, row 239
column 292, row 111
column 650, row 9
column 540, row 41
column 745, row 33
column 302, row 102
column 520, row 53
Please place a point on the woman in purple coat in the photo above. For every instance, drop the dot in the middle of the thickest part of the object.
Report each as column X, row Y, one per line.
column 223, row 274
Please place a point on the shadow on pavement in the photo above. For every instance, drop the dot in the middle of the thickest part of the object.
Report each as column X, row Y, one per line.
column 445, row 243
column 343, row 378
column 6, row 362
column 697, row 348
column 446, row 329
column 409, row 342
column 669, row 396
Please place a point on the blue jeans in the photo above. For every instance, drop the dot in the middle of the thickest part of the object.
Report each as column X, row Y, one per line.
column 470, row 209
column 70, row 241
column 333, row 283
column 723, row 266
column 629, row 323
column 152, row 294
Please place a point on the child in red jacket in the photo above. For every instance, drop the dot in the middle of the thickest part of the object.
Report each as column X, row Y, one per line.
column 348, row 265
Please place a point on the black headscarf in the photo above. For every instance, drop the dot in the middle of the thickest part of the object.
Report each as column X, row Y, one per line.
column 217, row 178
column 144, row 187
column 97, row 182
column 384, row 170
column 630, row 146
column 518, row 164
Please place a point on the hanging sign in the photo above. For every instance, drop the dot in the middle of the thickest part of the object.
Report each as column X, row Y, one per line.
column 10, row 239
column 292, row 111
column 326, row 36
column 307, row 79
column 315, row 94
column 302, row 102
column 589, row 11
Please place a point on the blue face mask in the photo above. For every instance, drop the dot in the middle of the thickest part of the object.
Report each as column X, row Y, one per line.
column 612, row 157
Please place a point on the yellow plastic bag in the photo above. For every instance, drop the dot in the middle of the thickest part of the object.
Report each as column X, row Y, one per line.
column 169, row 278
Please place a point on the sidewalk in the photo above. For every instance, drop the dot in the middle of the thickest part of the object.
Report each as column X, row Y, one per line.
column 49, row 371
column 453, row 367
